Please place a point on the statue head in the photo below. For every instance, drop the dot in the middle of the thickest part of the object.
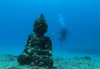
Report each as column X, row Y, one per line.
column 40, row 25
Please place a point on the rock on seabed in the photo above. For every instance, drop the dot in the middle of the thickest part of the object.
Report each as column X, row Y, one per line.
column 8, row 61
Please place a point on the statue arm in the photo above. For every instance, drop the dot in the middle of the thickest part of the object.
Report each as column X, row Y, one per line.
column 47, row 50
column 28, row 44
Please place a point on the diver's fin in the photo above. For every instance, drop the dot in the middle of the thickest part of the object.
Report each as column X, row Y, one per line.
column 60, row 43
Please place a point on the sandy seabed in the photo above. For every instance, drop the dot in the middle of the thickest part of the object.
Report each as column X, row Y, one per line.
column 8, row 61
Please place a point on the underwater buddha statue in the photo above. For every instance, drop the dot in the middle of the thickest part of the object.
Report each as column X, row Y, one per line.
column 38, row 49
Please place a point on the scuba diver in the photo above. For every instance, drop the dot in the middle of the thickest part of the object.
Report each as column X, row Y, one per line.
column 63, row 34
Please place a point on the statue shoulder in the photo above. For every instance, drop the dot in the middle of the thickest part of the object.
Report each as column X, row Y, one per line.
column 47, row 37
column 31, row 36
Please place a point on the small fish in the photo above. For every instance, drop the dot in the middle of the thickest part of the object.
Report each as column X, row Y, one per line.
column 52, row 34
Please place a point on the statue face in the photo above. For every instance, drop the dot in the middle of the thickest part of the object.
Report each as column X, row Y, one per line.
column 40, row 26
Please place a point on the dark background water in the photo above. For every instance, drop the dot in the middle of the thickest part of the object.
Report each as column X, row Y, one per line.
column 81, row 17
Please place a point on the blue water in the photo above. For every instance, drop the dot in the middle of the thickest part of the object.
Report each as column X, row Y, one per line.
column 80, row 17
